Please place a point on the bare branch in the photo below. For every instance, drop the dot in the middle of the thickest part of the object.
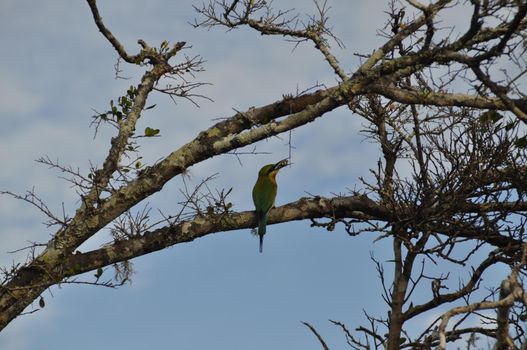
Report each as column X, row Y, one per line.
column 319, row 337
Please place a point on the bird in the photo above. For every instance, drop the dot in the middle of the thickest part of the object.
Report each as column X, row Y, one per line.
column 264, row 194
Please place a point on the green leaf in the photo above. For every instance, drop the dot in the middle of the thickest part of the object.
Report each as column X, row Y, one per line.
column 510, row 126
column 99, row 272
column 150, row 107
column 131, row 92
column 521, row 142
column 41, row 302
column 138, row 164
column 490, row 117
column 149, row 132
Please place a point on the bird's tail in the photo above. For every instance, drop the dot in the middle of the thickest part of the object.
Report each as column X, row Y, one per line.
column 262, row 224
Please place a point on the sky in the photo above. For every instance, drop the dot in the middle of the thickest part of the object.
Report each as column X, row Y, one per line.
column 218, row 291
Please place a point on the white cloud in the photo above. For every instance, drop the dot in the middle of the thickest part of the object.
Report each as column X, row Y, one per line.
column 16, row 98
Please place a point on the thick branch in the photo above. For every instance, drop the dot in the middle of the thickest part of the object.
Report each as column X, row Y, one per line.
column 443, row 99
column 187, row 231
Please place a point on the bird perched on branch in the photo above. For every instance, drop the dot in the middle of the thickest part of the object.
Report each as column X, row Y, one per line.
column 264, row 194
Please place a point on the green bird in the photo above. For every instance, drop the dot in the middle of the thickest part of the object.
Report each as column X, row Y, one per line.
column 264, row 194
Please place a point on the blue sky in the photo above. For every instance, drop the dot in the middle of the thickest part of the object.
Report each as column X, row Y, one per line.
column 217, row 291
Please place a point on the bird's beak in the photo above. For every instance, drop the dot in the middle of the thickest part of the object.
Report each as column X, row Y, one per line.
column 280, row 164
